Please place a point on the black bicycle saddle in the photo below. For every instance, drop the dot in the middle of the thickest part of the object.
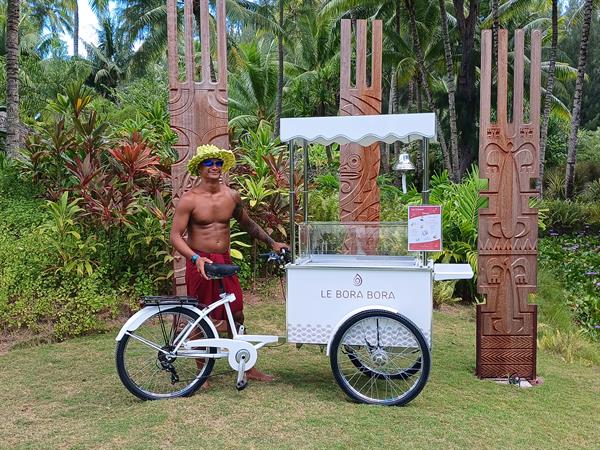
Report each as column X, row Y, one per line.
column 216, row 271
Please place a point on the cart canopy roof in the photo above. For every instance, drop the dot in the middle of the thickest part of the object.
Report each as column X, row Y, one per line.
column 364, row 130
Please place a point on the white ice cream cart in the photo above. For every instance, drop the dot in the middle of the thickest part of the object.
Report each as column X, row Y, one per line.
column 372, row 310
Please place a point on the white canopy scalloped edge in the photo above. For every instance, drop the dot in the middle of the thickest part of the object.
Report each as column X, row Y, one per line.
column 363, row 130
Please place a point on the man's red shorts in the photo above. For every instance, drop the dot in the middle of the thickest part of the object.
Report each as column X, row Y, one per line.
column 207, row 291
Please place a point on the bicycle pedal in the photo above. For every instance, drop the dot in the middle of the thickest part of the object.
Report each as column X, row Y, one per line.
column 241, row 385
column 242, row 329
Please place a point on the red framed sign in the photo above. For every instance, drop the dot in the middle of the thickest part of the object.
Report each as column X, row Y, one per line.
column 425, row 228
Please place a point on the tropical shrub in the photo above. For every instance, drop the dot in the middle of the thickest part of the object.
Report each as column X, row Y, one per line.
column 44, row 287
column 575, row 260
column 562, row 216
column 104, row 230
column 324, row 206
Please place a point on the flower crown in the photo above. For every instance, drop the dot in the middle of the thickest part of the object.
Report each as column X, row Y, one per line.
column 210, row 151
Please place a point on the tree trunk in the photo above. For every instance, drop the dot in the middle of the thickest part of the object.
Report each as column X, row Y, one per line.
column 548, row 99
column 467, row 100
column 387, row 153
column 424, row 84
column 279, row 96
column 329, row 155
column 76, row 30
column 12, row 77
column 495, row 27
column 576, row 113
column 419, row 158
column 411, row 96
column 454, row 157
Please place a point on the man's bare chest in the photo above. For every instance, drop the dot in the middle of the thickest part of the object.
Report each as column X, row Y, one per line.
column 213, row 209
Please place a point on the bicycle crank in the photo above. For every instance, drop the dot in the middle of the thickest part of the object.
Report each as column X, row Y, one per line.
column 242, row 357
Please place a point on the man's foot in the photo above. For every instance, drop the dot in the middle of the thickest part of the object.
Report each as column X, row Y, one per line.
column 255, row 374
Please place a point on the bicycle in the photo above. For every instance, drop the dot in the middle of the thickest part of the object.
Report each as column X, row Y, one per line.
column 169, row 347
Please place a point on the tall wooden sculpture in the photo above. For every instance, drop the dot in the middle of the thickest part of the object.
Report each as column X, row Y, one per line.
column 508, row 231
column 359, row 167
column 198, row 108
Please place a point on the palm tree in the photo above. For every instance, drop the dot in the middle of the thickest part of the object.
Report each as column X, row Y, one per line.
column 49, row 18
column 454, row 156
column 111, row 58
column 73, row 5
column 424, row 82
column 12, row 76
column 252, row 84
column 146, row 22
column 313, row 66
column 466, row 95
column 279, row 98
column 576, row 113
column 548, row 98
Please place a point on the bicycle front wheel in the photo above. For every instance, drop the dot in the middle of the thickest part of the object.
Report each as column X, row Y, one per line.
column 150, row 369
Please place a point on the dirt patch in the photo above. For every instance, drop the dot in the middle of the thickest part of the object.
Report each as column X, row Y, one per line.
column 456, row 310
column 270, row 290
column 23, row 338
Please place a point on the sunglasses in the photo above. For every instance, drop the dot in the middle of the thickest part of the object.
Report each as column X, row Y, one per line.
column 212, row 162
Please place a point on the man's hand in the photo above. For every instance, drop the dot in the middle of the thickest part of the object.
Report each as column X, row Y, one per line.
column 278, row 246
column 200, row 262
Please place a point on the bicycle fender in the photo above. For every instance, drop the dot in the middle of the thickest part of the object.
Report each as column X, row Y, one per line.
column 139, row 317
column 354, row 312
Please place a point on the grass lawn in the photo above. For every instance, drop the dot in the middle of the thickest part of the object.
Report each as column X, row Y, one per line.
column 68, row 395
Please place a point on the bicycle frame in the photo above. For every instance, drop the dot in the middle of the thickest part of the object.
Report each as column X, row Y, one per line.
column 248, row 344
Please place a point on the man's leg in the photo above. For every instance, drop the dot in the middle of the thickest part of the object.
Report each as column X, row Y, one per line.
column 254, row 373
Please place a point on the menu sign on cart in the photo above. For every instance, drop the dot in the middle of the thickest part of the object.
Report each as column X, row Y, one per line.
column 425, row 228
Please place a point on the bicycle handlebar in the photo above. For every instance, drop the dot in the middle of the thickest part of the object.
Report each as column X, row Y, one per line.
column 281, row 258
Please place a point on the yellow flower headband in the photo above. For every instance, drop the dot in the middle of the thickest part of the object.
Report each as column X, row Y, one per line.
column 210, row 151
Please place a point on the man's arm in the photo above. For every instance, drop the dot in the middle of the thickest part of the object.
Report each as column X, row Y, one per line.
column 251, row 227
column 181, row 219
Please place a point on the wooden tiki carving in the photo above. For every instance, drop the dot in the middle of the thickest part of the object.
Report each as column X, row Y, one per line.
column 508, row 230
column 359, row 166
column 198, row 108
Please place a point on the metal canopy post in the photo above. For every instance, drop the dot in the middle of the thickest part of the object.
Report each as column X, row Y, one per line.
column 425, row 190
column 305, row 187
column 292, row 148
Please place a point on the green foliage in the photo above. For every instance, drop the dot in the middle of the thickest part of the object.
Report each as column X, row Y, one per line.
column 558, row 330
column 588, row 146
column 324, row 206
column 393, row 202
column 324, row 159
column 564, row 216
column 257, row 146
column 41, row 80
column 255, row 191
column 460, row 207
column 102, row 238
column 591, row 192
column 556, row 144
column 252, row 83
column 153, row 126
column 147, row 235
column 328, row 182
column 554, row 181
column 75, row 254
column 33, row 293
column 443, row 293
column 460, row 212
column 575, row 260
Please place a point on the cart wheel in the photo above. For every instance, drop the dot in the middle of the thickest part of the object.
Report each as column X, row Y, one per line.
column 380, row 357
column 369, row 369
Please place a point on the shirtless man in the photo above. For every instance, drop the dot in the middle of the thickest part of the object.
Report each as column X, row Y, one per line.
column 205, row 212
